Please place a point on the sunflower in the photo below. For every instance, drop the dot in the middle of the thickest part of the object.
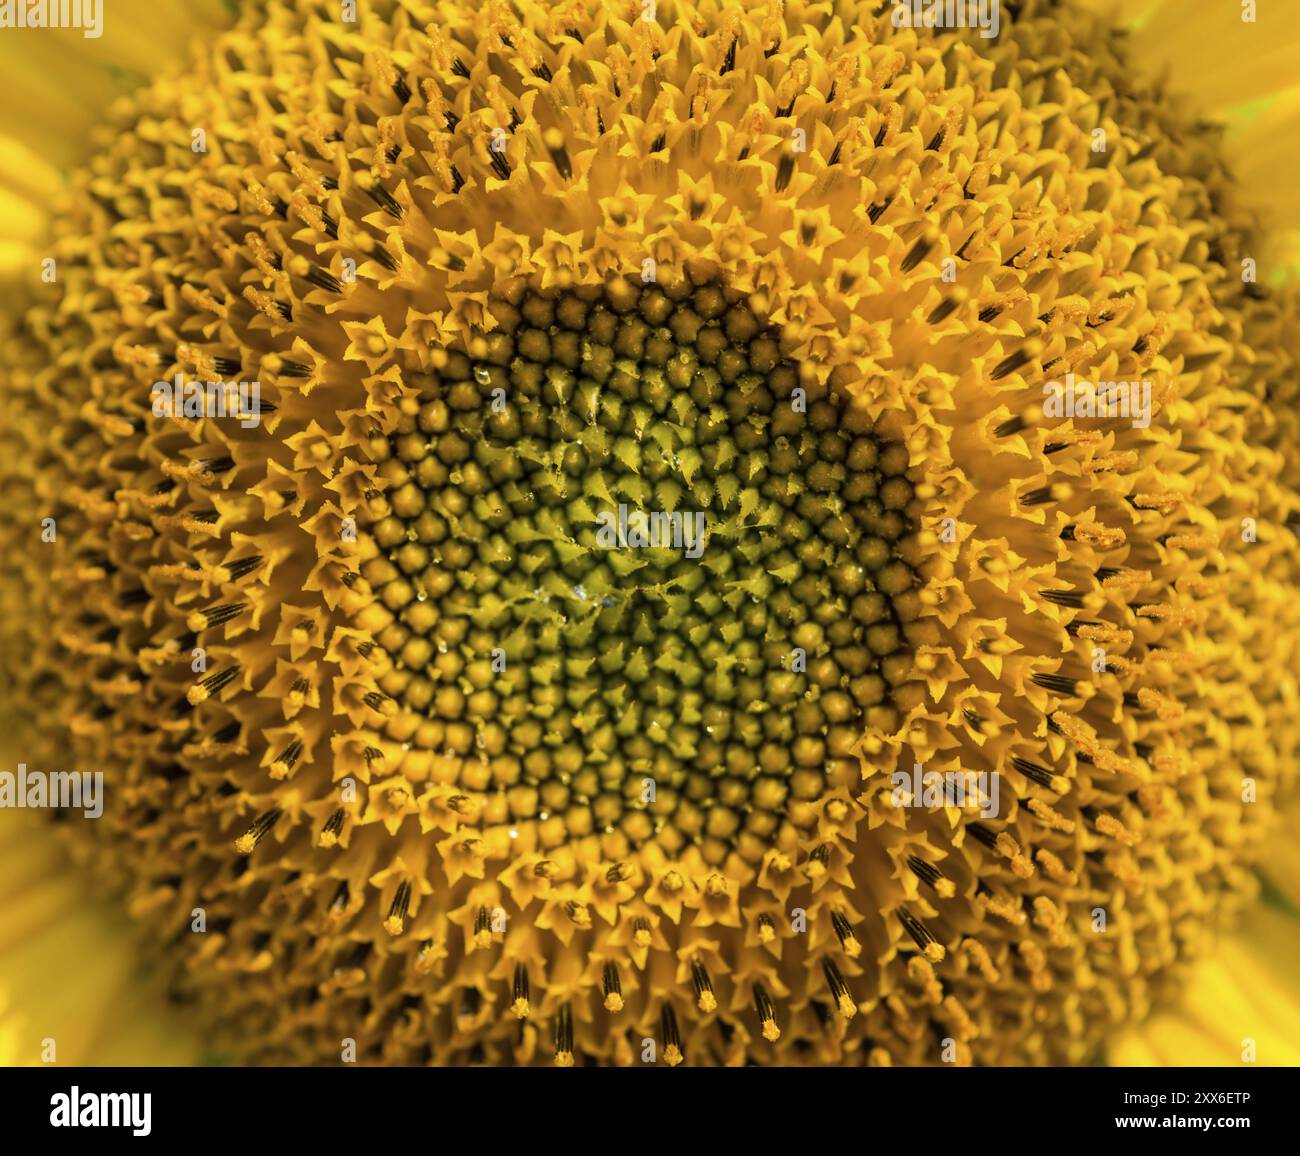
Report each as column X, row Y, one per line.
column 638, row 487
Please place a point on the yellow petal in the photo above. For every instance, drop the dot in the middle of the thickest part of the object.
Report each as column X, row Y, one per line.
column 68, row 967
column 61, row 80
column 59, row 83
column 1243, row 74
column 1246, row 992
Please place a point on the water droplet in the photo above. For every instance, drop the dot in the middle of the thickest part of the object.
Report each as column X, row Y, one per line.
column 442, row 648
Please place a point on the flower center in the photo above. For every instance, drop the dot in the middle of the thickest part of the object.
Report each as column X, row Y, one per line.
column 640, row 571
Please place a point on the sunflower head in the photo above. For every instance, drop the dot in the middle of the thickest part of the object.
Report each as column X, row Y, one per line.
column 644, row 483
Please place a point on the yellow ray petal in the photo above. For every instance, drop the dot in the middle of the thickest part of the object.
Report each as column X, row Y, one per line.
column 1215, row 55
column 61, row 80
column 59, row 83
column 69, row 970
column 1243, row 74
column 1245, row 992
column 1208, row 50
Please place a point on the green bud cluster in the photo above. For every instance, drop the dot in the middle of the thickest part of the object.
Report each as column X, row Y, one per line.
column 568, row 673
